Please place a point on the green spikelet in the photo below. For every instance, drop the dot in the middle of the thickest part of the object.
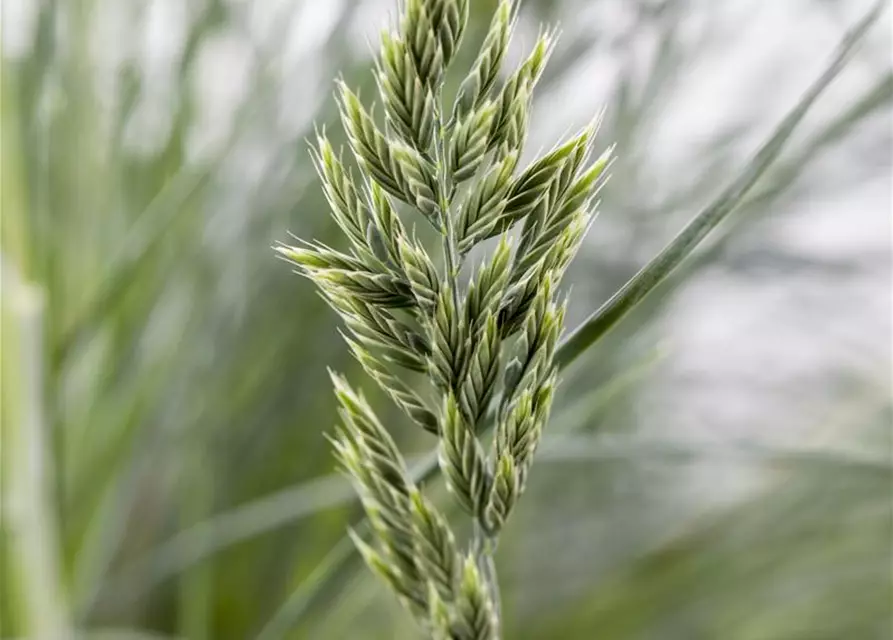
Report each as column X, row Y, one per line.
column 475, row 617
column 462, row 460
column 486, row 67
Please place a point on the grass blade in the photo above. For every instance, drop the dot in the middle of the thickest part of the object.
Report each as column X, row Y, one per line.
column 205, row 538
column 655, row 272
column 27, row 483
column 301, row 598
column 145, row 239
column 568, row 448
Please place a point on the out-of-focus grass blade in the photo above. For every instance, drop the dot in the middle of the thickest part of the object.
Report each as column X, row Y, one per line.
column 876, row 98
column 103, row 539
column 301, row 598
column 243, row 523
column 14, row 228
column 146, row 238
column 195, row 587
column 585, row 408
column 28, row 518
column 569, row 448
column 657, row 270
column 635, row 290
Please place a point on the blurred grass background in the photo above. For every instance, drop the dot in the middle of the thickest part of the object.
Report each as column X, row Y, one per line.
column 720, row 467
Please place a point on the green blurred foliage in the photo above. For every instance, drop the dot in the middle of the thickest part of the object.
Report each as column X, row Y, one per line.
column 179, row 369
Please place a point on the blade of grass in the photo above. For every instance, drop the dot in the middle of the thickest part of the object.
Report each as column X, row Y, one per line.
column 108, row 529
column 125, row 467
column 15, row 233
column 221, row 531
column 569, row 448
column 588, row 405
column 301, row 598
column 196, row 586
column 29, row 515
column 658, row 269
column 876, row 98
column 145, row 239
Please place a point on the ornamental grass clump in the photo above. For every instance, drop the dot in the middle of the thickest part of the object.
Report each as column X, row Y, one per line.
column 486, row 342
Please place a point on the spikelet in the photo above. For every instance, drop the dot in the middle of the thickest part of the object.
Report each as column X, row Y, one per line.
column 462, row 459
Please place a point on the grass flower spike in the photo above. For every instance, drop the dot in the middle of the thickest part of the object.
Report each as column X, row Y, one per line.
column 486, row 344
